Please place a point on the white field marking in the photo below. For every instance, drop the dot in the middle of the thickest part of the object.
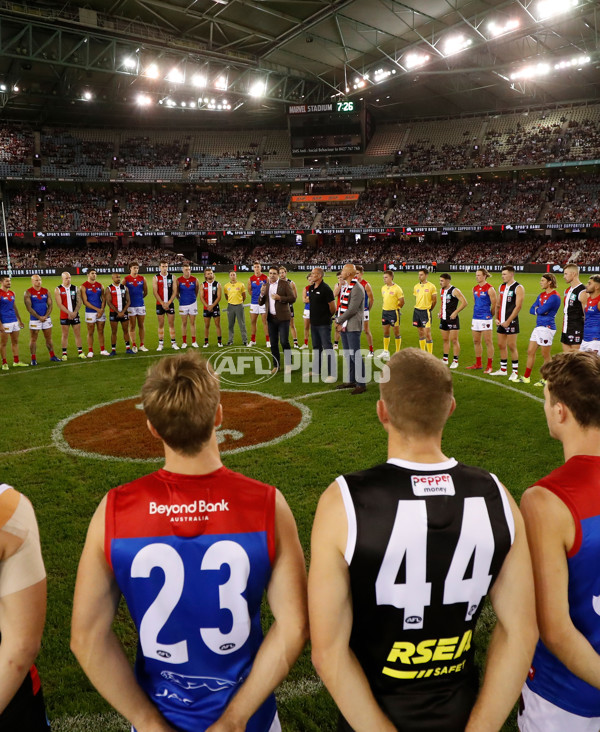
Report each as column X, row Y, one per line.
column 76, row 361
column 61, row 444
column 501, row 385
column 316, row 393
column 27, row 449
column 110, row 722
column 295, row 689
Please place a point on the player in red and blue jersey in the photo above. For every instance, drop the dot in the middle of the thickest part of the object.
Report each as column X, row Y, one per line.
column 187, row 294
column 562, row 518
column 192, row 547
column 544, row 308
column 138, row 289
column 10, row 323
column 484, row 307
column 591, row 324
column 93, row 297
column 255, row 284
column 39, row 306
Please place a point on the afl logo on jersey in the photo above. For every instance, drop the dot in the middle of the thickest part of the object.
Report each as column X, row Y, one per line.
column 413, row 620
column 163, row 654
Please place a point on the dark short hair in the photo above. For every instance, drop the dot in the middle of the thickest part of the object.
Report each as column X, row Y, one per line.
column 574, row 380
column 446, row 276
column 133, row 264
column 423, row 269
column 389, row 271
column 508, row 268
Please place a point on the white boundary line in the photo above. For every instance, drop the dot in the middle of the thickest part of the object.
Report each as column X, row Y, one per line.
column 61, row 444
column 502, row 386
column 27, row 449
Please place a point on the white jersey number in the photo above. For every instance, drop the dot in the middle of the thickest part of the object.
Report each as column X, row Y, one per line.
column 408, row 545
column 165, row 557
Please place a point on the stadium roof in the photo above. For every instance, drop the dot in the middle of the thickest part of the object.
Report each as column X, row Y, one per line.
column 305, row 51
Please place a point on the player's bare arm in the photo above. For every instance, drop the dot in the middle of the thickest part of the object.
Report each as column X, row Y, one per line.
column 286, row 594
column 93, row 641
column 513, row 640
column 219, row 294
column 330, row 611
column 22, row 617
column 145, row 286
column 29, row 308
column 551, row 534
column 462, row 303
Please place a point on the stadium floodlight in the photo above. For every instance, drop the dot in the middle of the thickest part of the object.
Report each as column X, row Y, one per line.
column 171, row 103
column 15, row 88
column 175, row 75
column 184, row 104
column 221, row 83
column 199, row 81
column 455, row 44
column 412, row 60
column 87, row 95
column 549, row 8
column 257, row 89
column 129, row 63
column 381, row 75
column 2, row 87
column 192, row 103
column 499, row 29
column 576, row 61
column 531, row 72
column 151, row 71
column 143, row 100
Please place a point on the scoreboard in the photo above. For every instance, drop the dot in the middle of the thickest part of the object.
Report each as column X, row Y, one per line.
column 326, row 129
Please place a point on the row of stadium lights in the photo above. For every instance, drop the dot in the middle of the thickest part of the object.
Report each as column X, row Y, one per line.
column 546, row 9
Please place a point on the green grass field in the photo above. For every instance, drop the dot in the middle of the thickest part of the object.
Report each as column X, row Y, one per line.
column 497, row 425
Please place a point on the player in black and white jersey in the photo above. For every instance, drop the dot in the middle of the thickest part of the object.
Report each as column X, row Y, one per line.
column 403, row 556
column 452, row 301
column 576, row 297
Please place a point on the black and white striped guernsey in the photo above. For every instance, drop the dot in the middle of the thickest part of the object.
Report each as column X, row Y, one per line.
column 425, row 544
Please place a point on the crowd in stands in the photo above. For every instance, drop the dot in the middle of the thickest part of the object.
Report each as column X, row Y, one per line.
column 147, row 153
column 16, row 146
column 331, row 253
column 119, row 207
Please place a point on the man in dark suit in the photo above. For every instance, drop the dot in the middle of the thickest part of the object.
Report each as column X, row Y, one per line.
column 278, row 295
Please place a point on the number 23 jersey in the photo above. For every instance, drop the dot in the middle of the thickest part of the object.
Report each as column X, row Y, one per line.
column 425, row 544
column 192, row 556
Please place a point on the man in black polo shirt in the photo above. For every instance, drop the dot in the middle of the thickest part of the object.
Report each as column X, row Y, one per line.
column 322, row 307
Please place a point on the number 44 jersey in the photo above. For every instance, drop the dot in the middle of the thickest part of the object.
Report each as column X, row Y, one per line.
column 192, row 556
column 425, row 544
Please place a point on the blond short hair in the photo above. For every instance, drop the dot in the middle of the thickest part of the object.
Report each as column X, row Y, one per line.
column 180, row 397
column 418, row 394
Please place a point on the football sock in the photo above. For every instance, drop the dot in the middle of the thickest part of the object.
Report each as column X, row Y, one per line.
column 422, row 344
column 183, row 339
column 515, row 366
column 398, row 344
column 386, row 344
column 429, row 346
column 79, row 349
column 503, row 364
column 478, row 361
column 445, row 358
column 193, row 339
column 16, row 359
column 218, row 339
column 527, row 372
column 489, row 363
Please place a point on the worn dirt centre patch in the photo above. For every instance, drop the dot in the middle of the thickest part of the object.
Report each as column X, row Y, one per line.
column 119, row 429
